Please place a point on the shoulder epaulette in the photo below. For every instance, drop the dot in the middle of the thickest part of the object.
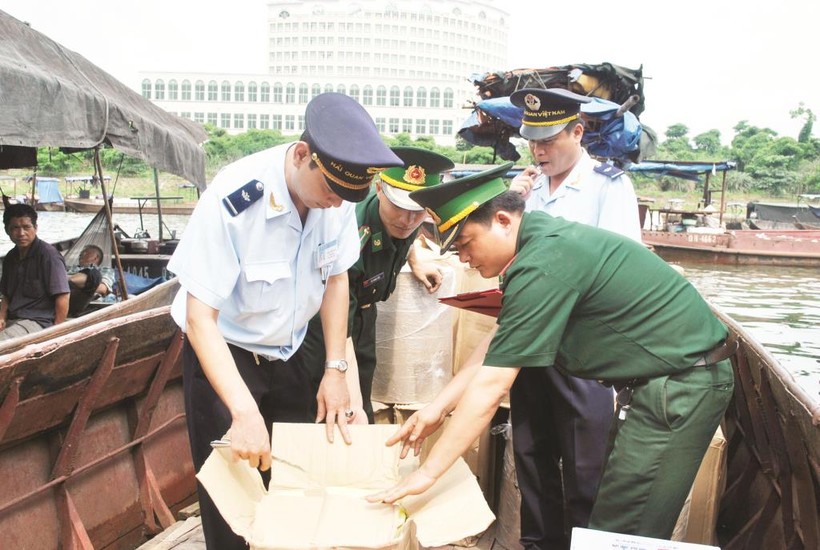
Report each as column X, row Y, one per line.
column 243, row 197
column 609, row 170
column 364, row 235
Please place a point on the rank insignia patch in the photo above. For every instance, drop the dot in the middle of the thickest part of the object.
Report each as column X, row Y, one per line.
column 243, row 197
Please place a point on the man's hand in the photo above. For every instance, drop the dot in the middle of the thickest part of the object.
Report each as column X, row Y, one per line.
column 525, row 181
column 428, row 274
column 414, row 484
column 250, row 440
column 416, row 428
column 333, row 402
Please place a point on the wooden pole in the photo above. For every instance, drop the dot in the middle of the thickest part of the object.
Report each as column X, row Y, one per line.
column 108, row 217
column 722, row 199
column 159, row 205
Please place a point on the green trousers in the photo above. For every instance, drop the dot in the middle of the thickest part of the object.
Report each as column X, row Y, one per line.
column 658, row 449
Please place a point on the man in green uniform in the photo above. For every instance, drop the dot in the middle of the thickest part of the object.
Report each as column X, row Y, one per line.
column 596, row 305
column 388, row 224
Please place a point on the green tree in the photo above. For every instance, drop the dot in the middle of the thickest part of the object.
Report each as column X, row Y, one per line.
column 805, row 132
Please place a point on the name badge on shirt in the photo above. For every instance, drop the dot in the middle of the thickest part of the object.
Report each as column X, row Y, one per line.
column 327, row 253
column 373, row 280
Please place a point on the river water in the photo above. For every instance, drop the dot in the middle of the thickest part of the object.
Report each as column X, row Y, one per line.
column 780, row 307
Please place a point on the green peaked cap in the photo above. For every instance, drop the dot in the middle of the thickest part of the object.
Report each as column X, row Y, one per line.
column 451, row 203
column 422, row 168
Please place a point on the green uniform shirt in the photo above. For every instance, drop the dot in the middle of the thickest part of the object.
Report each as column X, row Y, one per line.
column 371, row 279
column 598, row 306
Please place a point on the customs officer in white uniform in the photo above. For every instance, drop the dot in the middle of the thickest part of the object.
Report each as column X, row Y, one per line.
column 560, row 443
column 267, row 247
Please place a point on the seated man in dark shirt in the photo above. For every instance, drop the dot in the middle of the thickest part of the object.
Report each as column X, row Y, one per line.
column 34, row 284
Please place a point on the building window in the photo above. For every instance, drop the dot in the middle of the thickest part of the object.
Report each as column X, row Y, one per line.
column 290, row 93
column 185, row 115
column 407, row 125
column 225, row 120
column 394, row 96
column 265, row 93
column 354, row 92
column 447, row 127
column 367, row 95
column 277, row 93
column 394, row 126
column 252, row 95
column 173, row 90
column 434, row 127
column 199, row 117
column 301, row 123
column 251, row 121
column 290, row 122
column 421, row 126
column 303, row 93
column 212, row 119
column 264, row 122
column 435, row 98
column 276, row 122
column 186, row 90
column 226, row 91
column 381, row 96
column 213, row 91
column 448, row 98
column 146, row 89
column 238, row 120
column 421, row 97
column 315, row 90
column 199, row 90
column 380, row 124
column 408, row 96
column 328, row 88
column 239, row 92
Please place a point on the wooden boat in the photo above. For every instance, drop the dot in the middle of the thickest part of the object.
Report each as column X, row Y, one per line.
column 772, row 429
column 93, row 443
column 737, row 247
column 785, row 213
column 94, row 205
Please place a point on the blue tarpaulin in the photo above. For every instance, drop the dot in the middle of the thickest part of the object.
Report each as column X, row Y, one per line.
column 48, row 190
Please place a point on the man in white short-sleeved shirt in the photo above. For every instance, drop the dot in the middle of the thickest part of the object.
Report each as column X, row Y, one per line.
column 267, row 247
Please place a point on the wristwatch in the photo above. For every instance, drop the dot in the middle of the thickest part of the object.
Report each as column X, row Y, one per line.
column 338, row 364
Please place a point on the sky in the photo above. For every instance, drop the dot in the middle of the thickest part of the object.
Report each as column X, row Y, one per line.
column 708, row 64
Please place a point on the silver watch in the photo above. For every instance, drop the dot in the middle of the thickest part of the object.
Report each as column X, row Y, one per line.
column 338, row 364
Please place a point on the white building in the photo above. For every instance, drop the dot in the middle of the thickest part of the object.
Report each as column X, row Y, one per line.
column 408, row 62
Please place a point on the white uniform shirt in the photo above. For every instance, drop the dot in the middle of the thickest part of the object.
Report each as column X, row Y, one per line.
column 261, row 268
column 590, row 198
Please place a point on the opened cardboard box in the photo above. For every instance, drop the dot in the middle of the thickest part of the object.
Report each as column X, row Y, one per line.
column 316, row 496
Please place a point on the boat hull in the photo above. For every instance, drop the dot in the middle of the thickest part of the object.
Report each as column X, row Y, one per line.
column 779, row 248
column 93, row 436
column 93, row 206
column 772, row 429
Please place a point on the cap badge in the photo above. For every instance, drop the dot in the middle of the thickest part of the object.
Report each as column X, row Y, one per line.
column 433, row 215
column 246, row 196
column 415, row 175
column 532, row 102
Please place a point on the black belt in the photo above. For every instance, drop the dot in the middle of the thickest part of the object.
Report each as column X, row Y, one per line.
column 717, row 354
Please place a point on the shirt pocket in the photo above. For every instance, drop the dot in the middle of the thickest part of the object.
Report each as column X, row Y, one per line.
column 266, row 286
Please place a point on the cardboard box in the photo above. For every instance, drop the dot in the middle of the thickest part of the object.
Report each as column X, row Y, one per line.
column 584, row 539
column 707, row 491
column 317, row 489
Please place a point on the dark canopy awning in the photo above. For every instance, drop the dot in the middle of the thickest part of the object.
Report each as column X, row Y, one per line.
column 53, row 97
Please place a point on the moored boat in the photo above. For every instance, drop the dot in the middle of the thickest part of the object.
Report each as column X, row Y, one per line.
column 133, row 207
column 92, row 435
column 799, row 248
